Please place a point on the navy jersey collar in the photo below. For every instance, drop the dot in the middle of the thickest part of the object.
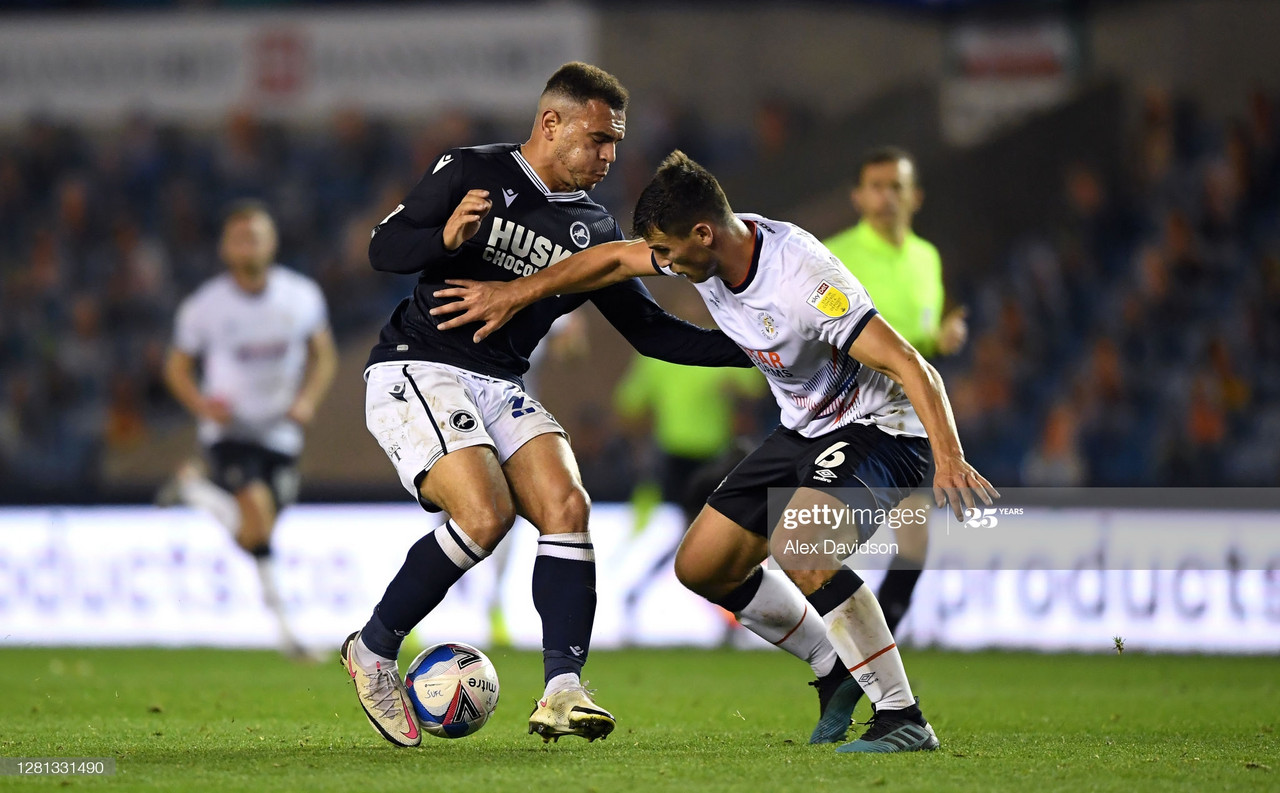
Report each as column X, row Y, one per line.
column 575, row 195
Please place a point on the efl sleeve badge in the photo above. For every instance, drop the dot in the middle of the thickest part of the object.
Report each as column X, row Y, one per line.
column 829, row 300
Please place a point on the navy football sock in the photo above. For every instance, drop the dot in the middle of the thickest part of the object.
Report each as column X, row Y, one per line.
column 433, row 564
column 896, row 589
column 564, row 593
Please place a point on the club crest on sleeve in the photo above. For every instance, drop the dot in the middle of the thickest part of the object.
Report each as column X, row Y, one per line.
column 829, row 300
column 580, row 234
column 767, row 326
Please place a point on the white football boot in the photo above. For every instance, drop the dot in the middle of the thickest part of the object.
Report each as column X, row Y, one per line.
column 570, row 711
column 383, row 697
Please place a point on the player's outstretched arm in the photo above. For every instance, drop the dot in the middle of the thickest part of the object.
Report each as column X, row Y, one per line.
column 956, row 481
column 494, row 303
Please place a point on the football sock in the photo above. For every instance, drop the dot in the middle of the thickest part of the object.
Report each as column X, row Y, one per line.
column 771, row 607
column 564, row 593
column 895, row 591
column 856, row 628
column 271, row 596
column 367, row 659
column 560, row 683
column 197, row 491
column 433, row 564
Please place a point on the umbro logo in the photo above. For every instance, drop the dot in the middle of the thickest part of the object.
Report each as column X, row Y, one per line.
column 825, row 475
column 397, row 392
column 576, row 650
column 445, row 160
column 509, row 195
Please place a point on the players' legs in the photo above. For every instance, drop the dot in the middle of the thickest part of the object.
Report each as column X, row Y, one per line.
column 248, row 486
column 721, row 554
column 257, row 517
column 427, row 419
column 469, row 485
column 905, row 567
column 855, row 623
column 258, row 510
column 721, row 561
column 717, row 556
column 190, row 486
column 875, row 471
column 549, row 494
column 857, row 630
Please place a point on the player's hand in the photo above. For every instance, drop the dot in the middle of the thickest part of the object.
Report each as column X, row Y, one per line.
column 215, row 409
column 302, row 412
column 953, row 331
column 959, row 484
column 463, row 224
column 489, row 302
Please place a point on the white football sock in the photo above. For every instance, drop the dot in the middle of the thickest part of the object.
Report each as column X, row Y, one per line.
column 780, row 615
column 368, row 659
column 560, row 683
column 859, row 633
column 271, row 596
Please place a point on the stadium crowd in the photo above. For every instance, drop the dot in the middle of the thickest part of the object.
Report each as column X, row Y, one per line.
column 1134, row 340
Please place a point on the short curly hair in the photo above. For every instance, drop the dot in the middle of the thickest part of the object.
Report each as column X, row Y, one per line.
column 581, row 82
column 681, row 194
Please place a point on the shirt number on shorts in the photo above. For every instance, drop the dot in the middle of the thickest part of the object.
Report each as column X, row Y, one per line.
column 518, row 409
column 832, row 457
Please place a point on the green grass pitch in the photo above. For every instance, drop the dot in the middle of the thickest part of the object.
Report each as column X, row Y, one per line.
column 688, row 720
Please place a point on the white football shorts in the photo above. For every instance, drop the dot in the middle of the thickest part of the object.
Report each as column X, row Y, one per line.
column 420, row 411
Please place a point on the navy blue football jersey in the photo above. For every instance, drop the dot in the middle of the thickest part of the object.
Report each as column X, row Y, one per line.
column 528, row 228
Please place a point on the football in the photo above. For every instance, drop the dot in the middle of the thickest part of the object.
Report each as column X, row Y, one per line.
column 454, row 689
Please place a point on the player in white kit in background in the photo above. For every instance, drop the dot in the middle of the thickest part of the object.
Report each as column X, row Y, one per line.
column 856, row 400
column 261, row 335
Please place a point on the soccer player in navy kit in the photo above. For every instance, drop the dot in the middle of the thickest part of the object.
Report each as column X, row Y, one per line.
column 452, row 415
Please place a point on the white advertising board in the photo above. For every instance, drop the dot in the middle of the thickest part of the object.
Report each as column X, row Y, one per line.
column 145, row 576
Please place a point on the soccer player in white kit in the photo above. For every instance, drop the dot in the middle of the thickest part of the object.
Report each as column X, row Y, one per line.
column 861, row 409
column 261, row 333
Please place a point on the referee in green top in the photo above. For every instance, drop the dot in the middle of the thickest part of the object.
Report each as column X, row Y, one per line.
column 903, row 275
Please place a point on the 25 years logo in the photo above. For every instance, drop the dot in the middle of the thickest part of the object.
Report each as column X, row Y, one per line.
column 987, row 517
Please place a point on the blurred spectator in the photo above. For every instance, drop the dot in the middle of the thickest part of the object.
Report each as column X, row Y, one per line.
column 1056, row 461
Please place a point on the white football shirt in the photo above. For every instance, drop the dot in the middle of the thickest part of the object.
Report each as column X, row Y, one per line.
column 796, row 314
column 254, row 351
